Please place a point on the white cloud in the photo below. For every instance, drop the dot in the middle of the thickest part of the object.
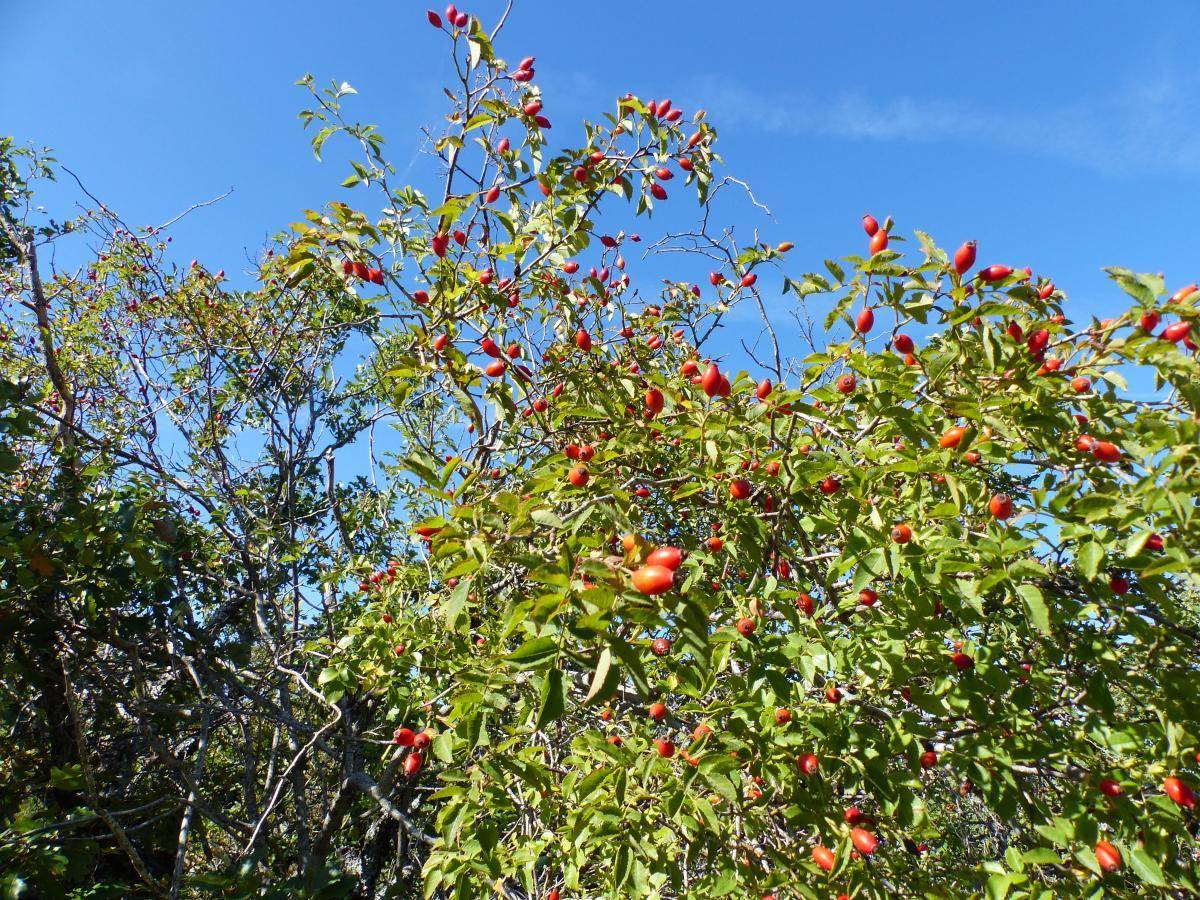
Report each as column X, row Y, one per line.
column 1145, row 127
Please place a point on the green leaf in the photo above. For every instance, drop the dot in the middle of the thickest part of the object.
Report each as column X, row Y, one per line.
column 456, row 603
column 534, row 653
column 991, row 348
column 598, row 688
column 554, row 699
column 998, row 885
column 478, row 121
column 433, row 880
column 547, row 518
column 1089, row 559
column 1041, row 856
column 443, row 747
column 631, row 662
column 1135, row 544
column 1146, row 289
column 67, row 778
column 1146, row 868
column 320, row 138
column 623, row 866
column 1035, row 606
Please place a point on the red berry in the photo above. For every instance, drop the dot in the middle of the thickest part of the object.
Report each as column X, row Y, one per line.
column 1108, row 856
column 824, row 858
column 1183, row 293
column 404, row 737
column 1177, row 332
column 668, row 557
column 653, row 579
column 952, row 437
column 414, row 764
column 964, row 257
column 710, row 381
column 1001, row 506
column 1179, row 792
column 864, row 841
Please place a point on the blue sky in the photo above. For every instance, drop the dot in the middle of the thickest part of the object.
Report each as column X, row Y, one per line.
column 1057, row 138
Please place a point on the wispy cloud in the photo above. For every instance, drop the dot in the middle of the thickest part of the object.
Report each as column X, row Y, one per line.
column 1150, row 126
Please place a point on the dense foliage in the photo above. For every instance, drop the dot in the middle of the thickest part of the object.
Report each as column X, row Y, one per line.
column 445, row 559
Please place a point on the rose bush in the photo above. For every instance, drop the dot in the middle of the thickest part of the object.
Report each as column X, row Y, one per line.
column 911, row 611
